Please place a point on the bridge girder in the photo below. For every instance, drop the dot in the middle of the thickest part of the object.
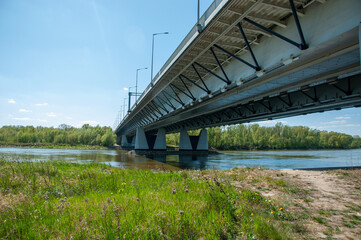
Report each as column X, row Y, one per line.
column 211, row 55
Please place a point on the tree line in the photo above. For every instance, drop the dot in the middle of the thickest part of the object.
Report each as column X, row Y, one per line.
column 63, row 135
column 253, row 137
column 235, row 137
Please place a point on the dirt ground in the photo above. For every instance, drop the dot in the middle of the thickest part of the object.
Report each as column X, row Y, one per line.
column 330, row 201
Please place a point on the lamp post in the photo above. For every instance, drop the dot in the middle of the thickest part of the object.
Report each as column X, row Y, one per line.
column 124, row 107
column 151, row 68
column 136, row 83
column 199, row 26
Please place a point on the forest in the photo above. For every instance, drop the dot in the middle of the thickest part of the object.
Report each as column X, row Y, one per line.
column 255, row 137
column 63, row 135
column 235, row 137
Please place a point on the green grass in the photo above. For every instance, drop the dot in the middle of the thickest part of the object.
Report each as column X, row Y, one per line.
column 63, row 200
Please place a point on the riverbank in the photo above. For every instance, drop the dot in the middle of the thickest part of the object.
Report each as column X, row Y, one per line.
column 52, row 146
column 63, row 200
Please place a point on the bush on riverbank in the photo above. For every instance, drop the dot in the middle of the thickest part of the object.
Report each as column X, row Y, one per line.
column 62, row 200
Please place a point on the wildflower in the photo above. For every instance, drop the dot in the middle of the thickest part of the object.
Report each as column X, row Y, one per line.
column 181, row 212
column 137, row 199
column 251, row 214
column 186, row 190
column 86, row 200
column 281, row 209
column 256, row 193
column 174, row 191
column 271, row 212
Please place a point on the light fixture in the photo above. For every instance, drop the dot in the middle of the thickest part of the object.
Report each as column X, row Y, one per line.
column 260, row 73
column 239, row 83
column 289, row 60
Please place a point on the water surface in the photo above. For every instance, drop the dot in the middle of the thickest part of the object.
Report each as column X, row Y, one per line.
column 224, row 160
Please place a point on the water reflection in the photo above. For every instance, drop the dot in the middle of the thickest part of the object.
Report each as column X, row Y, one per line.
column 183, row 161
column 116, row 158
column 266, row 159
column 224, row 160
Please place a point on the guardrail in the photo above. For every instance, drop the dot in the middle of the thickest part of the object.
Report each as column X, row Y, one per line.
column 203, row 21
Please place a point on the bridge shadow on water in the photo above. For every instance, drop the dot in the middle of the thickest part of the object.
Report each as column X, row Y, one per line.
column 193, row 161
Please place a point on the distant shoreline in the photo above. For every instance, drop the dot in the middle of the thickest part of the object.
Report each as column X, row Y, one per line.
column 85, row 147
column 96, row 147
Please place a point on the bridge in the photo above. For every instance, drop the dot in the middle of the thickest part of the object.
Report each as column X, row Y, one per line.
column 251, row 60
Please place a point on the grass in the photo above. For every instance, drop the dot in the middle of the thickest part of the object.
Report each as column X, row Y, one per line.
column 61, row 200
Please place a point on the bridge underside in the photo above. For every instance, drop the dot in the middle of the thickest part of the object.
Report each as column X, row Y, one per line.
column 330, row 81
column 235, row 71
column 331, row 94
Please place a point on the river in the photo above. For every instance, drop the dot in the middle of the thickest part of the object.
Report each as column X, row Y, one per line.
column 224, row 160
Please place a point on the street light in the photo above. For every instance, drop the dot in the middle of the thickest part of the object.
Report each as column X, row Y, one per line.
column 151, row 69
column 199, row 26
column 124, row 106
column 136, row 83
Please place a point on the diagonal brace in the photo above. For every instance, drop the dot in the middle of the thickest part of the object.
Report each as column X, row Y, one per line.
column 207, row 91
column 217, row 76
column 249, row 47
column 238, row 58
column 200, row 78
column 299, row 45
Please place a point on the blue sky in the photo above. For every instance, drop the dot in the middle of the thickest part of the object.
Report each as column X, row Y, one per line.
column 68, row 61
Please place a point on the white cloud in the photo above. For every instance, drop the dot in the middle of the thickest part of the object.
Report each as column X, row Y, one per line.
column 11, row 101
column 29, row 119
column 352, row 125
column 269, row 122
column 51, row 114
column 90, row 122
column 42, row 120
column 23, row 119
column 335, row 122
column 125, row 89
column 24, row 110
column 341, row 118
column 41, row 104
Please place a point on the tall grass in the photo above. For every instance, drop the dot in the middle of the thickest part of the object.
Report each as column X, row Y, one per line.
column 58, row 200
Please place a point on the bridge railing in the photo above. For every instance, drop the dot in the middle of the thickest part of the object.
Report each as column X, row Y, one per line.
column 203, row 21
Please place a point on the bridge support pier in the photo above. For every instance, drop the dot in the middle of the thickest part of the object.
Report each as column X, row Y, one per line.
column 160, row 143
column 184, row 141
column 141, row 142
column 195, row 143
column 203, row 140
column 124, row 141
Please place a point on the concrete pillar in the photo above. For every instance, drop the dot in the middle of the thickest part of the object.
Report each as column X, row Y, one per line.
column 203, row 140
column 132, row 142
column 140, row 140
column 124, row 141
column 184, row 141
column 160, row 143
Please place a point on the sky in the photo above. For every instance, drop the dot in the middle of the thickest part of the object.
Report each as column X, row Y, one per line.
column 70, row 61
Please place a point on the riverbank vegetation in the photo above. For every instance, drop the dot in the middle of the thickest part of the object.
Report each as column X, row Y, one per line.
column 255, row 137
column 68, row 201
column 59, row 200
column 236, row 137
column 64, row 136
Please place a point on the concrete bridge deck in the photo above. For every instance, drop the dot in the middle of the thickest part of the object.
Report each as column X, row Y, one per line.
column 255, row 60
